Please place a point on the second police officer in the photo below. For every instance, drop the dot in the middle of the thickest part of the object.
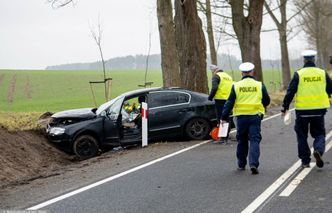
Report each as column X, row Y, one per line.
column 248, row 100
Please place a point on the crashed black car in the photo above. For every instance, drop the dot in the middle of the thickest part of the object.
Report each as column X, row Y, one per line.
column 171, row 112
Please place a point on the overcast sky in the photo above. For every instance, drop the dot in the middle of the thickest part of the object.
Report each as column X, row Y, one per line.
column 33, row 35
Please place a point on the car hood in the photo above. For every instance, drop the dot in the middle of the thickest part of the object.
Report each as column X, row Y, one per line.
column 75, row 113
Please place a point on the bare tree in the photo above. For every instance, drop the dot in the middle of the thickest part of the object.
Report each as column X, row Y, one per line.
column 169, row 56
column 282, row 30
column 248, row 29
column 96, row 35
column 316, row 22
column 282, row 27
column 209, row 29
column 191, row 46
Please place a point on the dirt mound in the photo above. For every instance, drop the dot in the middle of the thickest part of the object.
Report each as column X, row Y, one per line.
column 26, row 155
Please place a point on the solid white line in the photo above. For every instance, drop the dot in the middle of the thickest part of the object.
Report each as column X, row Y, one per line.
column 268, row 118
column 276, row 115
column 62, row 197
column 296, row 182
column 77, row 191
column 272, row 188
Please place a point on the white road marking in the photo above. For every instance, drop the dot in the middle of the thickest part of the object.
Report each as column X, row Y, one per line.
column 276, row 115
column 62, row 197
column 300, row 177
column 272, row 188
column 296, row 181
column 77, row 191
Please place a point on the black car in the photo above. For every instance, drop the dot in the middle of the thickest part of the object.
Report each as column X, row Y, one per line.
column 171, row 112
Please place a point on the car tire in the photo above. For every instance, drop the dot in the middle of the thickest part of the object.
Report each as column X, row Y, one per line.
column 197, row 129
column 85, row 147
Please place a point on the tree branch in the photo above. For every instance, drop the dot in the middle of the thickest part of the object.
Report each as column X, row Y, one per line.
column 60, row 3
column 299, row 10
column 269, row 30
column 274, row 18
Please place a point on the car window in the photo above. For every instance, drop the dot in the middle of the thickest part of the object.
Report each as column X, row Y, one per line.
column 159, row 99
column 106, row 105
column 131, row 107
column 114, row 110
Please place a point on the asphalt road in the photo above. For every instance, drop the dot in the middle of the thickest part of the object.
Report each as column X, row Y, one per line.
column 205, row 179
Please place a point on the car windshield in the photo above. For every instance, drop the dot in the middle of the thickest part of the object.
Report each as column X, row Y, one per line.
column 106, row 105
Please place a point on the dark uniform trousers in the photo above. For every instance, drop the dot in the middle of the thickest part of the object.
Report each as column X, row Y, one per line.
column 219, row 108
column 249, row 137
column 317, row 131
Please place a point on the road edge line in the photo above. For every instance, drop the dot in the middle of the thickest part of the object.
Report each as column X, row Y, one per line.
column 275, row 185
column 85, row 188
column 300, row 177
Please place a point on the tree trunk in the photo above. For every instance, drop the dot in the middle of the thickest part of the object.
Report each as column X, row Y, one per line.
column 169, row 56
column 247, row 30
column 191, row 46
column 213, row 52
column 318, row 34
column 285, row 66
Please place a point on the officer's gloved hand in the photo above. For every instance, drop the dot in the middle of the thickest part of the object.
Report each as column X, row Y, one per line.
column 210, row 98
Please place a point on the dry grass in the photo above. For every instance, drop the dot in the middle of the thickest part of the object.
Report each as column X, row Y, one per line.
column 277, row 98
column 17, row 121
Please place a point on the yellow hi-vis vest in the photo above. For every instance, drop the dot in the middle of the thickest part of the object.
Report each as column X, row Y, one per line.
column 225, row 86
column 248, row 97
column 311, row 90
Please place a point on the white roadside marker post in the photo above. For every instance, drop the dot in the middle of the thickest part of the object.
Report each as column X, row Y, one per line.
column 144, row 113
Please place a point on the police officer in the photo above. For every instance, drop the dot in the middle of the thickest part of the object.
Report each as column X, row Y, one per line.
column 311, row 87
column 221, row 88
column 248, row 100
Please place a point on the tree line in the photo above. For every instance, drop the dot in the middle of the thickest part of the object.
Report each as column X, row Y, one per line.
column 227, row 62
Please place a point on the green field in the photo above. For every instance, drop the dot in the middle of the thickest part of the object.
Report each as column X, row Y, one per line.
column 43, row 90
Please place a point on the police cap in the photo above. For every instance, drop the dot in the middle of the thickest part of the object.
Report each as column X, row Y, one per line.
column 247, row 67
column 309, row 54
column 214, row 68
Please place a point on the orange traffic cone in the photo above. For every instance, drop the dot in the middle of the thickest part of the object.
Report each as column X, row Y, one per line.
column 214, row 133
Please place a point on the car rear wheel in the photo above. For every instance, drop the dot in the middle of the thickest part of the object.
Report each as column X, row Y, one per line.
column 85, row 147
column 197, row 129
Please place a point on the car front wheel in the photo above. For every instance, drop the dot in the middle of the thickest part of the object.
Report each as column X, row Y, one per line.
column 197, row 129
column 85, row 147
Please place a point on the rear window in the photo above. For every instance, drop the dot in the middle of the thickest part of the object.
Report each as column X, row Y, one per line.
column 159, row 99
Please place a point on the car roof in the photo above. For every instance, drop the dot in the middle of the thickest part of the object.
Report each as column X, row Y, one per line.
column 147, row 90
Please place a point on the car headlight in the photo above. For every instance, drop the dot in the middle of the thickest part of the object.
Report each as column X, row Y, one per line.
column 57, row 131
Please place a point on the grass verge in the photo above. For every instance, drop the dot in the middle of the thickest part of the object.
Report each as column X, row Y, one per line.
column 20, row 121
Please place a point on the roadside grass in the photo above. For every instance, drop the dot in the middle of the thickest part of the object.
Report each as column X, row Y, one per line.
column 20, row 121
column 276, row 99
